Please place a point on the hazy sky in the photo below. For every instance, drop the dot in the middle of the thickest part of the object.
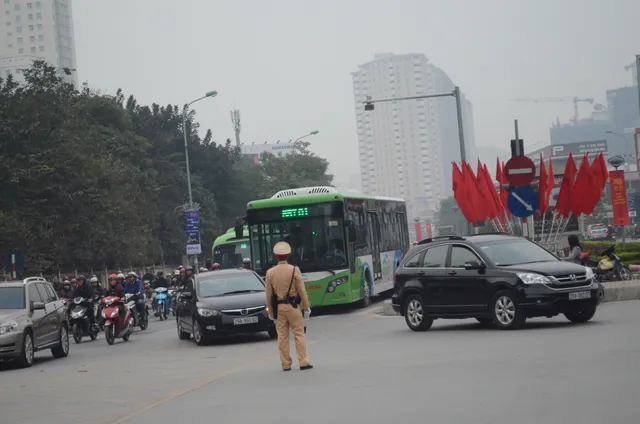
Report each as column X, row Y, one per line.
column 286, row 64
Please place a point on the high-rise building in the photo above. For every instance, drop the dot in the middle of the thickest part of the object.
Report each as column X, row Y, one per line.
column 406, row 147
column 36, row 30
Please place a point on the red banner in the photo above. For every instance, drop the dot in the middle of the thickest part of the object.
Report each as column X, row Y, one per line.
column 429, row 231
column 619, row 198
column 418, row 229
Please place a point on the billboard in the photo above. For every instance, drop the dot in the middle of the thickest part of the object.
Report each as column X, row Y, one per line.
column 273, row 148
column 577, row 149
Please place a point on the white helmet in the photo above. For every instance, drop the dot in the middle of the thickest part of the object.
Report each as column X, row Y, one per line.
column 176, row 272
column 121, row 275
column 93, row 280
column 203, row 269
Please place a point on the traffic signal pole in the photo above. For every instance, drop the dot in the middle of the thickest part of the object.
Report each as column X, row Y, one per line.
column 369, row 105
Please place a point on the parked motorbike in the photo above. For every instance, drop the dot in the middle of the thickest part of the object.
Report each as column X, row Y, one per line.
column 161, row 302
column 79, row 321
column 114, row 326
column 138, row 321
column 611, row 268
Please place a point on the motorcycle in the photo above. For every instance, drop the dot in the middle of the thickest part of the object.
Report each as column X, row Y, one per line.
column 114, row 326
column 138, row 321
column 98, row 312
column 611, row 268
column 148, row 291
column 173, row 294
column 79, row 321
column 161, row 302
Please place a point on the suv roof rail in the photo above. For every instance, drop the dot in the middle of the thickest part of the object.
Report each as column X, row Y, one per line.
column 493, row 233
column 429, row 240
column 32, row 279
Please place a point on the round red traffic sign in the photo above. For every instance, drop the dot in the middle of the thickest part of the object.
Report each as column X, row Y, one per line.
column 520, row 171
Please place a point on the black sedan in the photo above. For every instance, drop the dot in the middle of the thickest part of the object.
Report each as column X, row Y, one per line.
column 222, row 303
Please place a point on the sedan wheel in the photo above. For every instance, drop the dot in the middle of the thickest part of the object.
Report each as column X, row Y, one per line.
column 415, row 314
column 198, row 335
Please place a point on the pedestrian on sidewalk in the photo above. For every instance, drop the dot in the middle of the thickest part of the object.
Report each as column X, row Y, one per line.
column 288, row 306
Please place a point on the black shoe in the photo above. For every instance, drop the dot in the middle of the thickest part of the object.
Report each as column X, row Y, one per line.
column 306, row 367
column 286, row 369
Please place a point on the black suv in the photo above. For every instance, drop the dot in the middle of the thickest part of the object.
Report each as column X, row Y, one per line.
column 496, row 278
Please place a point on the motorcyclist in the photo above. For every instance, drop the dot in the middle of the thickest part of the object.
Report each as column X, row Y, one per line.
column 66, row 291
column 188, row 283
column 160, row 281
column 120, row 279
column 148, row 276
column 98, row 290
column 134, row 286
column 246, row 263
column 215, row 266
column 85, row 291
column 116, row 289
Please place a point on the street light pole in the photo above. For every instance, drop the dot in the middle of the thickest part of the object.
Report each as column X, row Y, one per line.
column 314, row 132
column 627, row 156
column 369, row 105
column 186, row 154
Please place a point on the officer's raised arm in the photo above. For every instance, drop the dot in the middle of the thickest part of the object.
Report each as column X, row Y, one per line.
column 301, row 289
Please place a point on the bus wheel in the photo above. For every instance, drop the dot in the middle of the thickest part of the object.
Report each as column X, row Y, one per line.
column 366, row 301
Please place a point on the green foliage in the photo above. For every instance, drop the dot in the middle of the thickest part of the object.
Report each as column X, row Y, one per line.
column 629, row 252
column 88, row 180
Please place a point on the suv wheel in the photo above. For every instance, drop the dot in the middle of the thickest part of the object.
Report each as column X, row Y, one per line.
column 505, row 311
column 25, row 360
column 62, row 350
column 415, row 314
column 581, row 315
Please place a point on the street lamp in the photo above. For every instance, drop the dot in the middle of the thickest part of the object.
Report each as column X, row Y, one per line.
column 306, row 135
column 186, row 155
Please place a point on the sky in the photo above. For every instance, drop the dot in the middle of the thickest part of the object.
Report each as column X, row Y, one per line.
column 286, row 64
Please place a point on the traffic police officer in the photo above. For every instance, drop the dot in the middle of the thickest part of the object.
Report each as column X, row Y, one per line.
column 286, row 282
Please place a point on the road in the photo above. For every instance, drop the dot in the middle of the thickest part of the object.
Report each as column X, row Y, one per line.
column 369, row 368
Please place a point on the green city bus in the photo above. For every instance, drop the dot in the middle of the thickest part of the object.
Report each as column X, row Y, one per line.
column 229, row 250
column 347, row 245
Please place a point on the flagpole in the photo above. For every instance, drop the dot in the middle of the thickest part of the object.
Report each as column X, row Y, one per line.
column 559, row 233
column 553, row 223
column 544, row 216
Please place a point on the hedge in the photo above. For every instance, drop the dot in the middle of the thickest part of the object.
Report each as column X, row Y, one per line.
column 629, row 253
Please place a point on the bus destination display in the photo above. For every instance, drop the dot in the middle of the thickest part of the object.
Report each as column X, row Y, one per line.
column 294, row 213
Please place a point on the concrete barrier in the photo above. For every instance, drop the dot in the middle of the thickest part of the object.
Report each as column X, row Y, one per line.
column 615, row 291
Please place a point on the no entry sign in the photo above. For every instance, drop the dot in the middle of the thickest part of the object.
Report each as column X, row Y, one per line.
column 520, row 171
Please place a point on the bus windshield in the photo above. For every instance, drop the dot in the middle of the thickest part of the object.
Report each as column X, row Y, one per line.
column 317, row 243
column 230, row 255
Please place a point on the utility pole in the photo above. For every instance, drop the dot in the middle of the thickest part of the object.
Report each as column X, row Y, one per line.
column 235, row 121
column 638, row 77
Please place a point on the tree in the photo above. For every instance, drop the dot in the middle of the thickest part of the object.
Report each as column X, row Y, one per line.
column 91, row 180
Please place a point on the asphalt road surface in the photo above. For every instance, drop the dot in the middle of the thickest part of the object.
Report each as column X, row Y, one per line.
column 368, row 368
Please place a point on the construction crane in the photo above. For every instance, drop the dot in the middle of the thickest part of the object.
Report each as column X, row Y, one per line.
column 575, row 100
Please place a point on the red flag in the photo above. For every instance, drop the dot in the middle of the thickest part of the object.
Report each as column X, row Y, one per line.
column 502, row 180
column 582, row 188
column 543, row 198
column 472, row 193
column 563, row 205
column 489, row 208
column 551, row 183
column 459, row 193
column 600, row 176
column 491, row 187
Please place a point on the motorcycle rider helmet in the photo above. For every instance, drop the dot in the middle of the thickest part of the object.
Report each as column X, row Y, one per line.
column 94, row 279
column 120, row 276
column 246, row 261
column 81, row 280
column 113, row 278
column 73, row 280
column 215, row 266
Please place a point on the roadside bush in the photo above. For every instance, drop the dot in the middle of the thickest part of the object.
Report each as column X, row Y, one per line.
column 629, row 253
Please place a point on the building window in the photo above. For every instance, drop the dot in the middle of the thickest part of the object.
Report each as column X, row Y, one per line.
column 38, row 4
column 30, row 16
column 32, row 39
column 19, row 29
column 20, row 51
column 10, row 45
column 8, row 23
column 29, row 5
column 6, row 1
column 18, row 18
column 17, row 7
column 7, row 12
column 31, row 27
column 39, row 27
column 41, row 48
column 20, row 40
column 39, row 15
column 40, row 37
column 33, row 49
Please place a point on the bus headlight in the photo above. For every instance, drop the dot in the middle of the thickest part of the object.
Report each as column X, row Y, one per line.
column 333, row 285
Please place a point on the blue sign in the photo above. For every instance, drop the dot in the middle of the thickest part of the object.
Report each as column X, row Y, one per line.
column 522, row 201
column 631, row 202
column 193, row 232
column 9, row 258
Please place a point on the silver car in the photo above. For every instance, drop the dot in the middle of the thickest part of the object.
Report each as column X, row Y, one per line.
column 596, row 232
column 32, row 318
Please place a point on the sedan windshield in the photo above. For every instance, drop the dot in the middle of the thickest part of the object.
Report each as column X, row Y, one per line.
column 220, row 285
column 515, row 252
column 12, row 298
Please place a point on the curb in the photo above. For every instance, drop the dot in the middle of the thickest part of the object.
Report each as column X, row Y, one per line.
column 615, row 291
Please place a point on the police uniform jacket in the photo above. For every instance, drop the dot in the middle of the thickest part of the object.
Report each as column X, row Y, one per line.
column 278, row 279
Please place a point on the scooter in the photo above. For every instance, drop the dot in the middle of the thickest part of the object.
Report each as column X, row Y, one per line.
column 161, row 302
column 138, row 321
column 79, row 321
column 114, row 326
column 611, row 268
column 173, row 293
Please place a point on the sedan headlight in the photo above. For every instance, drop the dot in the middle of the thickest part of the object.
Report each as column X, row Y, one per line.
column 7, row 327
column 204, row 312
column 331, row 287
column 590, row 273
column 530, row 278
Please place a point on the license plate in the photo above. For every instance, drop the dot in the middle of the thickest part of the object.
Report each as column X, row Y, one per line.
column 245, row 320
column 579, row 295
